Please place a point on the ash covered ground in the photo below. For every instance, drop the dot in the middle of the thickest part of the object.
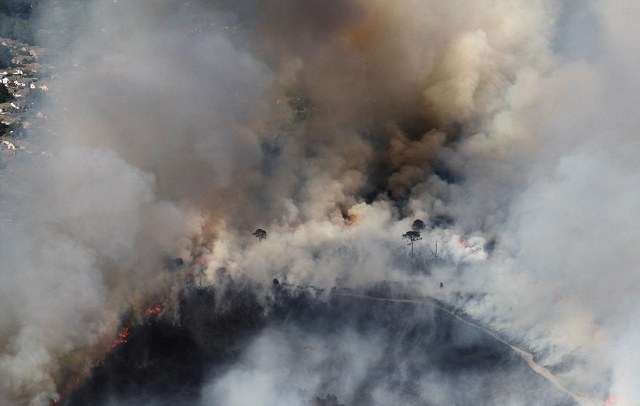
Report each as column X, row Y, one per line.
column 304, row 348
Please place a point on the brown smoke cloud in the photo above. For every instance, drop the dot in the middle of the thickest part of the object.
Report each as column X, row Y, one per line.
column 333, row 124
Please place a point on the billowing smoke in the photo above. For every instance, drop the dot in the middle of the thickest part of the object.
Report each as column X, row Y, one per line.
column 178, row 129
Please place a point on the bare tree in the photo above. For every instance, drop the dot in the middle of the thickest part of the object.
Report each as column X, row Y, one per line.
column 412, row 236
column 260, row 234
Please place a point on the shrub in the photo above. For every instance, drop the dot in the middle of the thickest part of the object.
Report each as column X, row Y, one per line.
column 5, row 96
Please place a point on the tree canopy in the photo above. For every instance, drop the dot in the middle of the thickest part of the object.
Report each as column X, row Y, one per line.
column 412, row 236
column 418, row 225
column 260, row 234
column 5, row 57
column 5, row 96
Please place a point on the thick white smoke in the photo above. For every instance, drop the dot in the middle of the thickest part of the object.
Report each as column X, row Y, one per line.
column 509, row 127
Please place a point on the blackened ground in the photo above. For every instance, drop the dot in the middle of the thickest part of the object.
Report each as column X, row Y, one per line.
column 164, row 363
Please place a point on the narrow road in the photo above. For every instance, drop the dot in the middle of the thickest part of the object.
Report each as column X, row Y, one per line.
column 527, row 356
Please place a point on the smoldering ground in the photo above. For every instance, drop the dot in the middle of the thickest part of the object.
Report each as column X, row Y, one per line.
column 300, row 348
column 184, row 127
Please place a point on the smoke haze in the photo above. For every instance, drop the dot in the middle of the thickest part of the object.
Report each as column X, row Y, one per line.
column 509, row 127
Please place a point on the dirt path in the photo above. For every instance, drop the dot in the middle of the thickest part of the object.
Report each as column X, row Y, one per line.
column 527, row 356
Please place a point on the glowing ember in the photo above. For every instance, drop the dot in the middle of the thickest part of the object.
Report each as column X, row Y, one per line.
column 153, row 310
column 611, row 400
column 123, row 337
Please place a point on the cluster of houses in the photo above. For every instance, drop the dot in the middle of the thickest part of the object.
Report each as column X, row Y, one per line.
column 21, row 79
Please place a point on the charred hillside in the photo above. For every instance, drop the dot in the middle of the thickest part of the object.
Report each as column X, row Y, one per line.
column 138, row 131
column 317, row 349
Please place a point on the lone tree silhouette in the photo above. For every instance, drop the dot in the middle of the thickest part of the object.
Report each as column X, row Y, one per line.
column 418, row 225
column 260, row 234
column 412, row 236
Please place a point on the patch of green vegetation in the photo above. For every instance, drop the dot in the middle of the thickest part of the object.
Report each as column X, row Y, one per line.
column 5, row 57
column 4, row 129
column 5, row 95
column 14, row 19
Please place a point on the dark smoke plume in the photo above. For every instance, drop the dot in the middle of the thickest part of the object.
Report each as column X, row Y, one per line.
column 508, row 127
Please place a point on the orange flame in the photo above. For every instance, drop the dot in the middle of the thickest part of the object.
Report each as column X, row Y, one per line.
column 153, row 310
column 121, row 339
